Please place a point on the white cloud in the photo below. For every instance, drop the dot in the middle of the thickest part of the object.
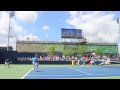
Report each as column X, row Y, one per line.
column 40, row 11
column 46, row 35
column 4, row 27
column 27, row 16
column 95, row 25
column 45, row 28
column 74, row 13
column 68, row 27
column 64, row 40
column 30, row 37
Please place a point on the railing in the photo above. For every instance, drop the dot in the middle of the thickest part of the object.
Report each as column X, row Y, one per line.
column 60, row 42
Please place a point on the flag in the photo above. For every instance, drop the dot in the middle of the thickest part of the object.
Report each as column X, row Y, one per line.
column 118, row 20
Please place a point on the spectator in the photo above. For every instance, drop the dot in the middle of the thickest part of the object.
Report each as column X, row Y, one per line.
column 73, row 61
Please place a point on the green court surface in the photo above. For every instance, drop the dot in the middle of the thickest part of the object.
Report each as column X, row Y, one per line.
column 14, row 71
column 17, row 71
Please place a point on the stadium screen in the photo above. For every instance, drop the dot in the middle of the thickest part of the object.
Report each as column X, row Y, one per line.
column 71, row 33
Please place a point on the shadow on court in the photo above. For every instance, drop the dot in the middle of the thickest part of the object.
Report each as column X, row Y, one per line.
column 39, row 71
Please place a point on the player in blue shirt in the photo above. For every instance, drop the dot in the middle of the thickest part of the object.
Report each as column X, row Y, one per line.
column 35, row 63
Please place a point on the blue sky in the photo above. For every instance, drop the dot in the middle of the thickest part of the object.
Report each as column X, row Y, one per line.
column 97, row 26
column 54, row 20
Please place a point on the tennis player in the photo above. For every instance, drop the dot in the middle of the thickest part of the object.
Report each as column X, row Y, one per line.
column 7, row 62
column 35, row 63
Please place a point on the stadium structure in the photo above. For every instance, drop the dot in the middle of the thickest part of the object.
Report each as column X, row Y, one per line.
column 43, row 46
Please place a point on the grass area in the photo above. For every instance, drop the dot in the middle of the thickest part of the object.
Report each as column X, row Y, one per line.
column 15, row 71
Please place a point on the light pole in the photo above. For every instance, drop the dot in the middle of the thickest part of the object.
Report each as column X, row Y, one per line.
column 17, row 40
column 11, row 14
column 119, row 25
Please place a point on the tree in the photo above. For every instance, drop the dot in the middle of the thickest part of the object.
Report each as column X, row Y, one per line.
column 81, row 49
column 67, row 52
column 51, row 50
column 98, row 51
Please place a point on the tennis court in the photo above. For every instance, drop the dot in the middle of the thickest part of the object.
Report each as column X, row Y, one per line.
column 73, row 72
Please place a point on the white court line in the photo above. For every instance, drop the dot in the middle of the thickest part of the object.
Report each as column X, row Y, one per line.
column 26, row 74
column 97, row 69
column 80, row 71
column 74, row 75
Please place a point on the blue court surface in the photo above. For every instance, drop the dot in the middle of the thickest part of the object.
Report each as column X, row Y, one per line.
column 72, row 72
